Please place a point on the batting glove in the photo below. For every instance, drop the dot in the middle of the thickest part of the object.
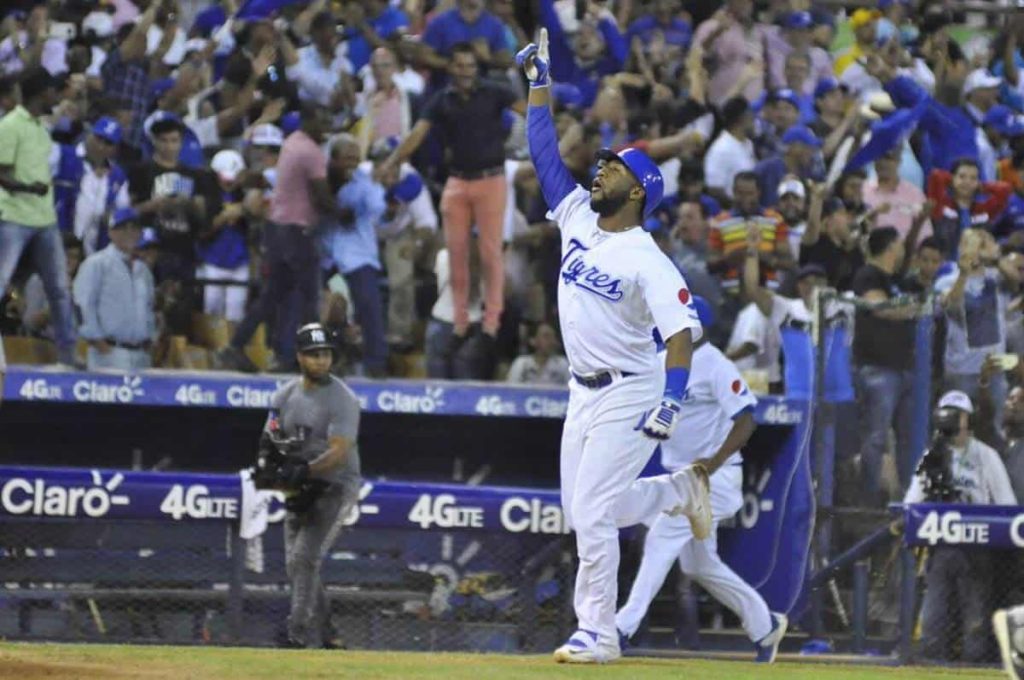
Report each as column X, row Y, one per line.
column 535, row 61
column 660, row 422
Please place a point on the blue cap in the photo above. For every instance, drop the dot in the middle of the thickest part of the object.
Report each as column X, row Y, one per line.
column 159, row 88
column 644, row 170
column 290, row 122
column 122, row 216
column 798, row 20
column 785, row 95
column 407, row 188
column 108, row 129
column 567, row 95
column 801, row 134
column 824, row 86
column 147, row 239
column 1003, row 119
column 705, row 312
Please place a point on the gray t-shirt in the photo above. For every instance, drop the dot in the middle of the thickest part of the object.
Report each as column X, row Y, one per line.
column 314, row 415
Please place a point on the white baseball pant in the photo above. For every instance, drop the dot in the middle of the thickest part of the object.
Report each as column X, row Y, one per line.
column 602, row 455
column 671, row 538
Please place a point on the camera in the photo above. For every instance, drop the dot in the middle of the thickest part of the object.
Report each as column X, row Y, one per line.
column 934, row 469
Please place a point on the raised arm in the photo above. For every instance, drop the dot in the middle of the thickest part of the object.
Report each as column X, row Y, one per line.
column 555, row 180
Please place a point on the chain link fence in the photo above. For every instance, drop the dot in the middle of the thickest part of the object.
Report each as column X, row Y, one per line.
column 195, row 583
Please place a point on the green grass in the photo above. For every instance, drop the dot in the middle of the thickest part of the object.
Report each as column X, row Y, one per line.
column 28, row 661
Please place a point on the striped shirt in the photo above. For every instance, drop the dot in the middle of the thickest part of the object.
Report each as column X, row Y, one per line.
column 729, row 235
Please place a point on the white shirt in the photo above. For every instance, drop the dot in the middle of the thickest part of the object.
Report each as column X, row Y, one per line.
column 525, row 370
column 614, row 289
column 444, row 308
column 755, row 328
column 91, row 204
column 726, row 158
column 317, row 81
column 978, row 474
column 418, row 213
column 988, row 158
column 715, row 395
column 175, row 53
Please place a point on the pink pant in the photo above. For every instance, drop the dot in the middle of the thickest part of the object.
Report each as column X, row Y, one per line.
column 463, row 204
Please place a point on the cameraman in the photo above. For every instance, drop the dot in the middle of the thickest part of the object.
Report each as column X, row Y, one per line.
column 308, row 450
column 958, row 469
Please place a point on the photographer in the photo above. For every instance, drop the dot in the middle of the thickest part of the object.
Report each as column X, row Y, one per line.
column 308, row 450
column 958, row 468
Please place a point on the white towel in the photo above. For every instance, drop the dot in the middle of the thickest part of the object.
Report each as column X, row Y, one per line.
column 255, row 506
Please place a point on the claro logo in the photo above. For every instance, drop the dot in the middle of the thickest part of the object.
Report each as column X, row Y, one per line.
column 23, row 496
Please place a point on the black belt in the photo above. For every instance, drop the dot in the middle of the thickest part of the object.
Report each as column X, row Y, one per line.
column 598, row 380
column 478, row 174
column 127, row 345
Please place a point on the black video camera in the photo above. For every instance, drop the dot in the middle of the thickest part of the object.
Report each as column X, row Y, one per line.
column 935, row 469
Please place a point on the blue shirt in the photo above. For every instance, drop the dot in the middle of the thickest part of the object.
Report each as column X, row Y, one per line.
column 387, row 24
column 115, row 294
column 449, row 28
column 227, row 249
column 354, row 246
column 564, row 67
column 678, row 32
column 949, row 131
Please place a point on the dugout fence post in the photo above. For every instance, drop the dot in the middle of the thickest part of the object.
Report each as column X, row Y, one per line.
column 236, row 587
column 922, row 391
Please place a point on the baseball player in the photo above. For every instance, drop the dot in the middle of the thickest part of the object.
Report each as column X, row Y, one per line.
column 617, row 293
column 718, row 411
column 1008, row 625
column 322, row 414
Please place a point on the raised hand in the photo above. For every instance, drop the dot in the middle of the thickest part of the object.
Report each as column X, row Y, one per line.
column 534, row 60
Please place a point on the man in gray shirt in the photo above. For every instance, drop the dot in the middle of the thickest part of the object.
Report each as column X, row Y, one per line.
column 114, row 292
column 322, row 414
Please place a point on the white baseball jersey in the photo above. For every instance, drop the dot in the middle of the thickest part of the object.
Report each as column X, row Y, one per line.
column 714, row 396
column 614, row 289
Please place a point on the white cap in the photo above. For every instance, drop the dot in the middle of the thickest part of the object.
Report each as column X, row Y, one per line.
column 101, row 24
column 266, row 134
column 957, row 399
column 980, row 79
column 228, row 164
column 792, row 186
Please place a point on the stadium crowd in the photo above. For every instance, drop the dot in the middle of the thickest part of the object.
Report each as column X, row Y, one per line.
column 184, row 184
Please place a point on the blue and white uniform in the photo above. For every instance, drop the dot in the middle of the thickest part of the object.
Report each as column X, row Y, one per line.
column 715, row 397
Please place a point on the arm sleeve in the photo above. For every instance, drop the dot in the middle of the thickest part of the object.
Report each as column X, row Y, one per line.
column 716, row 171
column 86, row 293
column 915, row 494
column 344, row 416
column 618, row 48
column 731, row 390
column 555, row 181
column 668, row 298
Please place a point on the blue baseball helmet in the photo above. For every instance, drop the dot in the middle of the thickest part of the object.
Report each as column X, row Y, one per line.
column 705, row 312
column 644, row 170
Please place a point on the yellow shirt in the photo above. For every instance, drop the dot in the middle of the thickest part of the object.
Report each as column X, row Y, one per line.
column 25, row 145
column 847, row 57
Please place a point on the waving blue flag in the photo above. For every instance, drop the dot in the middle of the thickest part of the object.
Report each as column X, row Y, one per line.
column 886, row 134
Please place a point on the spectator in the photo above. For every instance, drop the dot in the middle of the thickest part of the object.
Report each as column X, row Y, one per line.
column 732, row 152
column 468, row 23
column 545, row 365
column 89, row 184
column 828, row 241
column 999, row 126
column 115, row 294
column 730, row 40
column 835, row 119
column 468, row 113
column 596, row 50
column 351, row 243
column 321, row 71
column 962, row 201
column 797, row 73
column 883, row 352
column 797, row 158
column 903, row 204
column 368, row 27
column 223, row 246
column 781, row 111
column 126, row 76
column 36, row 318
column 408, row 224
column 975, row 297
column 864, row 24
column 981, row 94
column 31, row 45
column 795, row 38
column 29, row 222
column 302, row 198
column 959, row 579
column 173, row 197
column 792, row 207
column 663, row 24
column 926, row 265
column 388, row 107
column 442, row 362
column 691, row 186
column 690, row 249
column 1005, row 435
column 728, row 230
